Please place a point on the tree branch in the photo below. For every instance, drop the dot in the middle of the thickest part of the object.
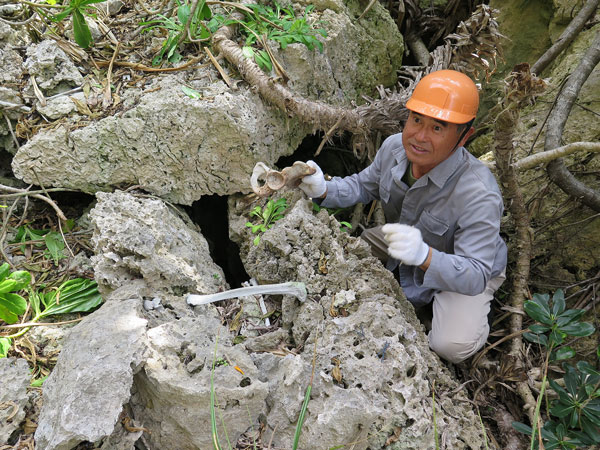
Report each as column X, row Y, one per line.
column 557, row 171
column 566, row 37
column 547, row 156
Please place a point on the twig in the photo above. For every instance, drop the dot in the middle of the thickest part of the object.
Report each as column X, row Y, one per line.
column 107, row 100
column 566, row 37
column 4, row 230
column 38, row 196
column 143, row 68
column 219, row 68
column 40, row 324
column 327, row 136
column 8, row 105
column 12, row 133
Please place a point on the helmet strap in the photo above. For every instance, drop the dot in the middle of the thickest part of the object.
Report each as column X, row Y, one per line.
column 464, row 133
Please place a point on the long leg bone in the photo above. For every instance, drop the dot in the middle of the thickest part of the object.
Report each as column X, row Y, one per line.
column 295, row 288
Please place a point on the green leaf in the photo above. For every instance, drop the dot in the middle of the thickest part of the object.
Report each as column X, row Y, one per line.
column 89, row 2
column 82, row 33
column 537, row 328
column 35, row 302
column 11, row 307
column 183, row 13
column 4, row 271
column 5, row 344
column 256, row 240
column 569, row 316
column 558, row 302
column 563, row 353
column 556, row 336
column 536, row 338
column 543, row 301
column 590, row 429
column 15, row 282
column 77, row 295
column 522, row 428
column 579, row 329
column 191, row 93
column 562, row 410
column 248, row 52
column 56, row 245
column 39, row 382
column 538, row 312
column 60, row 16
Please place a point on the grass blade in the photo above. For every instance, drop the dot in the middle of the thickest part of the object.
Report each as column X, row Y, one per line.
column 213, row 419
column 301, row 418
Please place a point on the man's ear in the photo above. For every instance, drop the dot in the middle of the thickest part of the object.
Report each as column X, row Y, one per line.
column 467, row 135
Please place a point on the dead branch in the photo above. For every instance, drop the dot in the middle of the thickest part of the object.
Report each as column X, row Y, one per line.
column 557, row 171
column 566, row 37
column 54, row 206
column 521, row 86
column 545, row 157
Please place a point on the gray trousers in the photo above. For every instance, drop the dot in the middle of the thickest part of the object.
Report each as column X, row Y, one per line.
column 459, row 327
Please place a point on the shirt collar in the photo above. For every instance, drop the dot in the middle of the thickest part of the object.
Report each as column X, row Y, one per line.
column 440, row 173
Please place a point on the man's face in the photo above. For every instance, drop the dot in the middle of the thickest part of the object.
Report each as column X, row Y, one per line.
column 428, row 141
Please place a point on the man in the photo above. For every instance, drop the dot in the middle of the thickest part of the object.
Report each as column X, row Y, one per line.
column 442, row 207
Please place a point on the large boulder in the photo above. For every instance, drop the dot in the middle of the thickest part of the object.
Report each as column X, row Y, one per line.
column 142, row 238
column 85, row 393
column 374, row 374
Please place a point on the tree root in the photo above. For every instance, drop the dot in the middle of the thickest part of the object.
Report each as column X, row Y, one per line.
column 557, row 171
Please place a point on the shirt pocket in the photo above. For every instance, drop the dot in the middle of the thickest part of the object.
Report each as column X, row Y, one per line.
column 435, row 231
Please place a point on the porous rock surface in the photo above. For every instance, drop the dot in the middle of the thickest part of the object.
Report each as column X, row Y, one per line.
column 142, row 238
column 85, row 393
column 14, row 373
column 383, row 390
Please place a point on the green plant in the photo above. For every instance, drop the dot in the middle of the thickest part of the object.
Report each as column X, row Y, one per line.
column 574, row 417
column 76, row 295
column 177, row 29
column 81, row 31
column 268, row 215
column 52, row 240
column 344, row 225
column 12, row 305
column 280, row 25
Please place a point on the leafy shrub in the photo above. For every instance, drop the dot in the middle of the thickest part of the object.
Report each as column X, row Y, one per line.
column 268, row 215
column 574, row 417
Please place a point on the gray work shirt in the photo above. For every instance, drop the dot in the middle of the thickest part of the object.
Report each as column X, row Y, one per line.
column 457, row 206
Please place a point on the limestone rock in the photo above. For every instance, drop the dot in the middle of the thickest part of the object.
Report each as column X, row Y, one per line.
column 85, row 393
column 172, row 395
column 14, row 373
column 357, row 56
column 374, row 371
column 141, row 238
column 173, row 146
column 53, row 70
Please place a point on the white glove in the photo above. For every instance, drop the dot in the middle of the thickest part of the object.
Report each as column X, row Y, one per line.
column 405, row 243
column 313, row 185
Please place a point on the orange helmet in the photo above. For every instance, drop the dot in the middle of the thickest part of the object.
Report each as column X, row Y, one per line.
column 446, row 95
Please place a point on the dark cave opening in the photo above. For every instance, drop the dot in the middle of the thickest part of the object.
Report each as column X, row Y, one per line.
column 210, row 214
